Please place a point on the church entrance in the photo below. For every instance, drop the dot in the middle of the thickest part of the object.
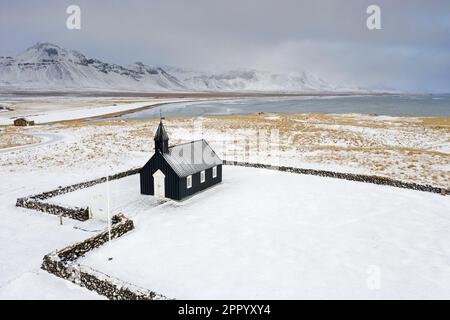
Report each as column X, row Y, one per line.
column 159, row 184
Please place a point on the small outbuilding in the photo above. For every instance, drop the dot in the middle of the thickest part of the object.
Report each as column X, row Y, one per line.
column 179, row 171
column 22, row 122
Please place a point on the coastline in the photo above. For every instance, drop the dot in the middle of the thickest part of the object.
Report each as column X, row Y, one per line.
column 187, row 94
column 47, row 111
column 103, row 96
column 60, row 109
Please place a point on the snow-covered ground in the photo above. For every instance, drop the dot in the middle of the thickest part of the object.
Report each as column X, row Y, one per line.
column 81, row 113
column 125, row 197
column 415, row 229
column 26, row 236
column 41, row 138
column 42, row 285
column 264, row 234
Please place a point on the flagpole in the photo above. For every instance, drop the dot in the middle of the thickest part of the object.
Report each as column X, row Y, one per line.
column 108, row 208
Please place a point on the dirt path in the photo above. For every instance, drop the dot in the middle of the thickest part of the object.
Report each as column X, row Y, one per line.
column 46, row 139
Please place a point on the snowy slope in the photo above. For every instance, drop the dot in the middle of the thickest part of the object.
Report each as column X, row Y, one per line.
column 251, row 80
column 47, row 66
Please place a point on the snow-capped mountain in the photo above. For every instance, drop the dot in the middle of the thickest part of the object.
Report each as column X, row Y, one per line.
column 46, row 66
column 250, row 80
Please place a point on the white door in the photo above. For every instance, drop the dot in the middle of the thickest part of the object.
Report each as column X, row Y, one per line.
column 158, row 184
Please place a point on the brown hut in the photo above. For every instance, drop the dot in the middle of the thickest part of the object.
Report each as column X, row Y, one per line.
column 22, row 122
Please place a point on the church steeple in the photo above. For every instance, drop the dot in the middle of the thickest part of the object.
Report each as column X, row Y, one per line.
column 161, row 139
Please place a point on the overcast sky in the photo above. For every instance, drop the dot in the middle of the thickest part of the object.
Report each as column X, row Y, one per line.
column 328, row 38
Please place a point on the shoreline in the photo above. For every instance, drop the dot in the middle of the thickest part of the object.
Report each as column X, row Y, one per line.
column 182, row 98
column 120, row 113
column 217, row 94
column 149, row 104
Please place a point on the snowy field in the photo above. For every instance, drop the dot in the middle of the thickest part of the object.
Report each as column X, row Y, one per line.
column 125, row 197
column 404, row 148
column 41, row 285
column 45, row 114
column 403, row 233
column 27, row 235
column 264, row 234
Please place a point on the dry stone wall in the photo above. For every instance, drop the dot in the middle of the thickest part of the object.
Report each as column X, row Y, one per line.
column 345, row 176
column 63, row 263
column 36, row 202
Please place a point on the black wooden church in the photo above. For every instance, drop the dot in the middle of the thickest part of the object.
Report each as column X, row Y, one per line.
column 177, row 172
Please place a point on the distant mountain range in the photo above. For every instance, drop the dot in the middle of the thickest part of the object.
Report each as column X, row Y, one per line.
column 46, row 66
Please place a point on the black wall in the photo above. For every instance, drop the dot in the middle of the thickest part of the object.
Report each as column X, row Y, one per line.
column 171, row 181
column 175, row 187
column 196, row 185
column 162, row 146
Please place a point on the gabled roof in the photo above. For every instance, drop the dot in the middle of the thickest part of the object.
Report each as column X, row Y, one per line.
column 192, row 157
column 161, row 133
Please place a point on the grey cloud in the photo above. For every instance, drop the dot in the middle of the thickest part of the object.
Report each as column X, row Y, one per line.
column 326, row 37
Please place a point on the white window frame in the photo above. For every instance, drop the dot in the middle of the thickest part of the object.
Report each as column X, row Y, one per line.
column 202, row 176
column 189, row 182
column 214, row 172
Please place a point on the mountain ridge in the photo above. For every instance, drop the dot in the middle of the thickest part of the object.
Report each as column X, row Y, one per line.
column 47, row 66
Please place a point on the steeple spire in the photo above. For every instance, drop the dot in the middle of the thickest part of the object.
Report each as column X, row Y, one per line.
column 161, row 139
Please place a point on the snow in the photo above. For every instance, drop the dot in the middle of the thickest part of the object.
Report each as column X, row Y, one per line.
column 44, row 286
column 27, row 235
column 47, row 66
column 53, row 116
column 5, row 121
column 264, row 234
column 125, row 197
column 287, row 236
column 44, row 139
column 251, row 80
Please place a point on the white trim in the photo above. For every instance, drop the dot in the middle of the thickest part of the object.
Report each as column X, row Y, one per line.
column 214, row 172
column 189, row 181
column 159, row 173
column 202, row 176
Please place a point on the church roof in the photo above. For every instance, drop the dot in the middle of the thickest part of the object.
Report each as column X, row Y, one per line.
column 161, row 133
column 192, row 157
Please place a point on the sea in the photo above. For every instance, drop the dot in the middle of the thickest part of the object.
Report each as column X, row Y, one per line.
column 389, row 105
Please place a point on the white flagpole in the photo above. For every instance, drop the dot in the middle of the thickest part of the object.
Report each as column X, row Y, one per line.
column 108, row 208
